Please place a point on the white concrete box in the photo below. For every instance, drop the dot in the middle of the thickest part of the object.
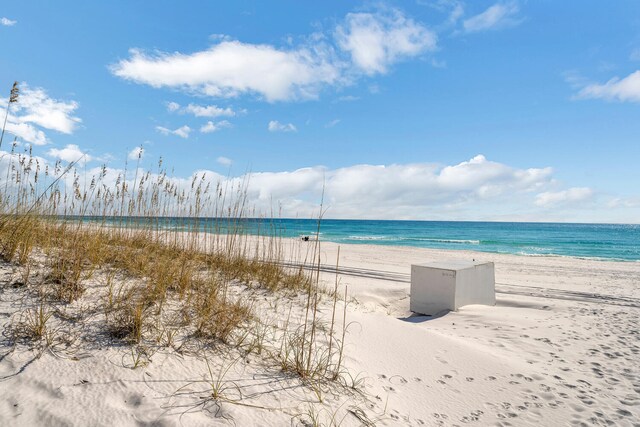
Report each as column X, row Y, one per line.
column 448, row 285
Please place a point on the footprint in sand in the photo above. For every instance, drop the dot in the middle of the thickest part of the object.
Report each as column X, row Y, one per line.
column 473, row 416
column 545, row 387
column 527, row 379
column 135, row 400
column 630, row 400
column 555, row 404
column 577, row 408
column 623, row 412
column 441, row 360
column 399, row 379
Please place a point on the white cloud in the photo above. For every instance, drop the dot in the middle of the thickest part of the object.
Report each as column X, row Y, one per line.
column 332, row 123
column 232, row 68
column 348, row 98
column 210, row 126
column 209, row 111
column 625, row 202
column 276, row 126
column 136, row 153
column 571, row 195
column 70, row 153
column 7, row 22
column 36, row 108
column 364, row 43
column 456, row 13
column 477, row 189
column 497, row 16
column 400, row 191
column 182, row 132
column 172, row 106
column 201, row 110
column 224, row 161
column 27, row 132
column 616, row 89
column 375, row 41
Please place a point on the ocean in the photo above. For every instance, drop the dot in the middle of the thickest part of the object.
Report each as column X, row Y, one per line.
column 620, row 242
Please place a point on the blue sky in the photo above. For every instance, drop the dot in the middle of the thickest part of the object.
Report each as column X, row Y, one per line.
column 483, row 110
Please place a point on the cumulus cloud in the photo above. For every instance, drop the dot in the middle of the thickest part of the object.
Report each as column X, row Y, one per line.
column 497, row 16
column 209, row 111
column 624, row 90
column 377, row 40
column 136, row 153
column 624, row 202
column 173, row 106
column 476, row 189
column 224, row 161
column 35, row 109
column 7, row 22
column 416, row 186
column 182, row 132
column 364, row 43
column 276, row 126
column 70, row 153
column 38, row 108
column 201, row 110
column 232, row 68
column 210, row 126
column 405, row 191
column 571, row 195
column 27, row 132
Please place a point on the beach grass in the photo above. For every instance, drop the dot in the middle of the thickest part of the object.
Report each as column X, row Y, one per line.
column 94, row 252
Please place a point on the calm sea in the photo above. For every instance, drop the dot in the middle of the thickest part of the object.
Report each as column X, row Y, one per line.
column 597, row 241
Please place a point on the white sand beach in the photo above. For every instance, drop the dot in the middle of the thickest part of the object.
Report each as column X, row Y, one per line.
column 561, row 347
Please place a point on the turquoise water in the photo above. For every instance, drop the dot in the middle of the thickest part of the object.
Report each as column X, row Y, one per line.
column 597, row 241
column 601, row 241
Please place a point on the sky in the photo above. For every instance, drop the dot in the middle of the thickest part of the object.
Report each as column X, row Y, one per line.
column 435, row 110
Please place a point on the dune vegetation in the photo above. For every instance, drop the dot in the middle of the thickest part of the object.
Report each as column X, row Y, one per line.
column 147, row 263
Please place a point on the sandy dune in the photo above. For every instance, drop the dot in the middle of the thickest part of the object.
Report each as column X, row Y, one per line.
column 561, row 347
